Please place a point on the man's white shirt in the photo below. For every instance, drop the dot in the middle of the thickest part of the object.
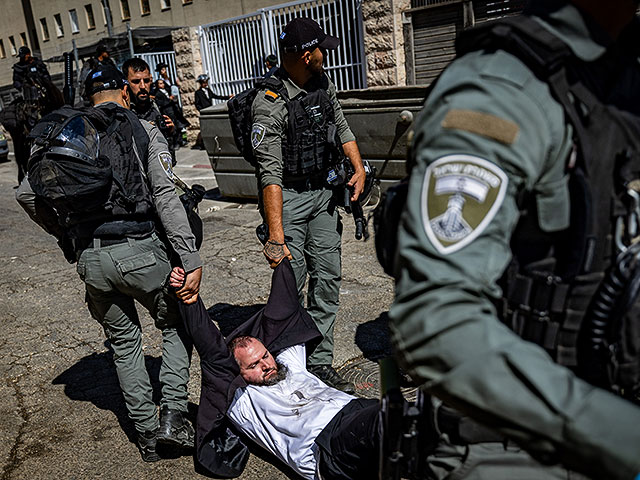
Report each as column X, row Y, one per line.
column 287, row 417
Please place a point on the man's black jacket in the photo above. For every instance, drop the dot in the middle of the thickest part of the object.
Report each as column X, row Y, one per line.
column 202, row 101
column 282, row 323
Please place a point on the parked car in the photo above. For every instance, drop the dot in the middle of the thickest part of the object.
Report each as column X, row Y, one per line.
column 4, row 148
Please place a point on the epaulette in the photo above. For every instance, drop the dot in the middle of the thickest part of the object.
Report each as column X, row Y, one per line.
column 271, row 95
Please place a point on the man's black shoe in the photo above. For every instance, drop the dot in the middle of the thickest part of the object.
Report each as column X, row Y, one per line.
column 328, row 375
column 175, row 429
column 147, row 446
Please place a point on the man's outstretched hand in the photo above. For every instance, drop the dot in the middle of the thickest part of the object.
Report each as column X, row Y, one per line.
column 187, row 285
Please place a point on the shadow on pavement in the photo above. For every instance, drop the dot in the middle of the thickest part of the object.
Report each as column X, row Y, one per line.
column 94, row 379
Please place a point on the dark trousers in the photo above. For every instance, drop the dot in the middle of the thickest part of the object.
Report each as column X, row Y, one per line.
column 349, row 443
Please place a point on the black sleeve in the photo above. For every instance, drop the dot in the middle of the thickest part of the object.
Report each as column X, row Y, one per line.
column 218, row 97
column 283, row 322
column 17, row 79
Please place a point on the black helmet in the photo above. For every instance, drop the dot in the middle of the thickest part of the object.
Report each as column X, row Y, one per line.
column 23, row 51
column 74, row 136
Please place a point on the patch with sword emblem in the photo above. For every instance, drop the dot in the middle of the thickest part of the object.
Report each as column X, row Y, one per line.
column 460, row 196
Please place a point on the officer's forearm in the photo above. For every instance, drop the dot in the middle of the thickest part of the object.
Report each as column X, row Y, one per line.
column 272, row 198
column 353, row 154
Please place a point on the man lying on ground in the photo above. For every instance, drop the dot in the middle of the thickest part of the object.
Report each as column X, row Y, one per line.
column 262, row 385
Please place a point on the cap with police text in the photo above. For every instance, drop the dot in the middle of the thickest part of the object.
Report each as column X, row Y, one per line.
column 302, row 34
column 102, row 78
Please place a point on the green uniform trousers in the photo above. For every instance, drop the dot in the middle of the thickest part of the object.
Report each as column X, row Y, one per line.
column 313, row 232
column 115, row 276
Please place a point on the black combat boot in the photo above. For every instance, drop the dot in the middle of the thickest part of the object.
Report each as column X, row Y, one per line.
column 175, row 429
column 328, row 375
column 147, row 446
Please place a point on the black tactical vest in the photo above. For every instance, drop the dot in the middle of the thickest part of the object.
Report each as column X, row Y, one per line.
column 311, row 143
column 574, row 292
column 129, row 210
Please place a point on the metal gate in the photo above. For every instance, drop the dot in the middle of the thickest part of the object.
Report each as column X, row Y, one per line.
column 436, row 23
column 153, row 59
column 233, row 50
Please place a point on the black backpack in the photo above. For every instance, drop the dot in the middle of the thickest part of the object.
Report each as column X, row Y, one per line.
column 240, row 114
column 75, row 183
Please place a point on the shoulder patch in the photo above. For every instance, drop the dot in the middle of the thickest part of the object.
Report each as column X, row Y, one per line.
column 271, row 95
column 166, row 161
column 460, row 196
column 257, row 134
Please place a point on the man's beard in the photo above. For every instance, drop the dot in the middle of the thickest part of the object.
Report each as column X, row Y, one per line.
column 280, row 375
column 141, row 104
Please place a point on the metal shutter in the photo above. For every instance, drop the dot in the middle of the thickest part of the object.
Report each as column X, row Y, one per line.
column 436, row 25
column 434, row 34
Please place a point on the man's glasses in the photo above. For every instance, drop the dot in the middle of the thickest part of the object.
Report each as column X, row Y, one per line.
column 136, row 81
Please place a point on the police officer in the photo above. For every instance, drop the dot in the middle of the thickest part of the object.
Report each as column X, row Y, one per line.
column 30, row 75
column 514, row 153
column 121, row 258
column 138, row 74
column 100, row 59
column 294, row 153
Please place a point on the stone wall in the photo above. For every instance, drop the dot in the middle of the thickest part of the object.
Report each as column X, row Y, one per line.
column 188, row 66
column 384, row 41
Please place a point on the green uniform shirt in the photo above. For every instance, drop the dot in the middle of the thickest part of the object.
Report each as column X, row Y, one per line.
column 270, row 117
column 492, row 125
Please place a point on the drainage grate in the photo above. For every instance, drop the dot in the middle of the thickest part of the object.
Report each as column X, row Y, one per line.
column 365, row 375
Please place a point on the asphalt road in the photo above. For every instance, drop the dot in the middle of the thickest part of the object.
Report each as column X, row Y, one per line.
column 62, row 414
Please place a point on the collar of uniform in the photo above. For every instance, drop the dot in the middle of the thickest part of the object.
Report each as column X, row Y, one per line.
column 293, row 90
column 586, row 39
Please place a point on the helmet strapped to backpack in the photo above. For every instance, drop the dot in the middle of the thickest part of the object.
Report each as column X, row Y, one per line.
column 65, row 167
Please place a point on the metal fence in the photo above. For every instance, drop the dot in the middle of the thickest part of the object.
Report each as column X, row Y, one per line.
column 233, row 50
column 155, row 58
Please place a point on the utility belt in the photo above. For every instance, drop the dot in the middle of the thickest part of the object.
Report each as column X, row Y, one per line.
column 316, row 182
column 110, row 233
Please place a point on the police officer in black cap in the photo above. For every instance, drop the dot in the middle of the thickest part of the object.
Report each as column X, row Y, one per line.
column 120, row 255
column 30, row 75
column 298, row 135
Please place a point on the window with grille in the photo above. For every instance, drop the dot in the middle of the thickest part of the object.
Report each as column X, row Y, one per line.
column 73, row 19
column 124, row 10
column 91, row 21
column 44, row 30
column 59, row 27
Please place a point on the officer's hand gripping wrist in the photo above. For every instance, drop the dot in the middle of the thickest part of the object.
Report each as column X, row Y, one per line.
column 275, row 252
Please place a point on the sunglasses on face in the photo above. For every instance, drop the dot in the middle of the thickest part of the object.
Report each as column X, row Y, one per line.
column 136, row 81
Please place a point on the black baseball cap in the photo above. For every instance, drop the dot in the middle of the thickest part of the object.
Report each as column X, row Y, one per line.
column 302, row 34
column 104, row 77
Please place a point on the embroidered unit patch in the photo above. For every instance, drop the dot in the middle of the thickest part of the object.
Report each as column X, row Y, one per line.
column 257, row 135
column 460, row 196
column 167, row 163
